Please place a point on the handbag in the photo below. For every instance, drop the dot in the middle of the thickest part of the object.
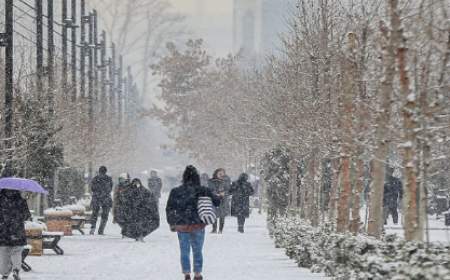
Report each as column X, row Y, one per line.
column 206, row 210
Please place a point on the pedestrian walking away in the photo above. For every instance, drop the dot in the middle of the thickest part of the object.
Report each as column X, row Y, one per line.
column 101, row 187
column 241, row 190
column 219, row 184
column 183, row 218
column 140, row 215
column 13, row 214
column 393, row 193
column 155, row 185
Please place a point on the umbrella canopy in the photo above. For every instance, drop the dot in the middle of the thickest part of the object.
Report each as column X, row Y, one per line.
column 20, row 184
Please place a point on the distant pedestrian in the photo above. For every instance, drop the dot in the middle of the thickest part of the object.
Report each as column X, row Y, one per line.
column 139, row 210
column 155, row 185
column 13, row 214
column 101, row 188
column 241, row 190
column 204, row 178
column 219, row 184
column 183, row 217
column 393, row 193
column 118, row 198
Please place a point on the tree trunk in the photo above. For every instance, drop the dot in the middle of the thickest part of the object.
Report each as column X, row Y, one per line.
column 293, row 180
column 334, row 190
column 356, row 205
column 376, row 219
column 349, row 88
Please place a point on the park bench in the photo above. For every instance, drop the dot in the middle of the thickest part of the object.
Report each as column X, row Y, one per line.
column 78, row 223
column 51, row 240
column 25, row 266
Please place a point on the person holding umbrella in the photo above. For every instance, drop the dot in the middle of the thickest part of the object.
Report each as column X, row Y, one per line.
column 13, row 214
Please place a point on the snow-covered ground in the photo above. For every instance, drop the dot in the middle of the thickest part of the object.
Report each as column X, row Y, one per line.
column 231, row 256
column 438, row 232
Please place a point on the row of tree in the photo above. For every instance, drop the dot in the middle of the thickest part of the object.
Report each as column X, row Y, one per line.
column 356, row 86
column 96, row 107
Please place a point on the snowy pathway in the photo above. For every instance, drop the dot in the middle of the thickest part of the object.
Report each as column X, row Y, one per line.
column 231, row 256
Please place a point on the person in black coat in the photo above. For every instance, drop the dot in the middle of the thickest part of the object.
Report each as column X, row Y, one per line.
column 182, row 217
column 393, row 193
column 140, row 211
column 155, row 184
column 118, row 198
column 241, row 190
column 13, row 214
column 101, row 188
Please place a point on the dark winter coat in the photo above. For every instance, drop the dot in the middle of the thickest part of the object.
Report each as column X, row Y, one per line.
column 139, row 212
column 393, row 191
column 218, row 186
column 155, row 186
column 181, row 207
column 13, row 214
column 240, row 201
column 101, row 187
column 119, row 202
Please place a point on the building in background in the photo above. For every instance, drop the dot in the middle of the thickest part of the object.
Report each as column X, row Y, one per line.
column 257, row 25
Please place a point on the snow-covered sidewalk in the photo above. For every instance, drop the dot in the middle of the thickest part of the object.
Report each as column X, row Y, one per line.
column 231, row 256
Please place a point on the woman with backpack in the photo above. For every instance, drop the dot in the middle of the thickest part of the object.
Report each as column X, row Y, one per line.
column 184, row 218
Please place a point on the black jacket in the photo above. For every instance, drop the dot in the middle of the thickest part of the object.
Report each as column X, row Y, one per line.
column 393, row 191
column 101, row 187
column 13, row 214
column 240, row 202
column 181, row 207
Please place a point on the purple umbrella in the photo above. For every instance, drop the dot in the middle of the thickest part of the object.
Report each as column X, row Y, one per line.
column 20, row 184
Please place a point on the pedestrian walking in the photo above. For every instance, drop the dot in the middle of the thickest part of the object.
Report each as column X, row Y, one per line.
column 155, row 185
column 393, row 193
column 118, row 198
column 13, row 214
column 183, row 218
column 241, row 190
column 219, row 184
column 101, row 187
column 204, row 178
column 140, row 211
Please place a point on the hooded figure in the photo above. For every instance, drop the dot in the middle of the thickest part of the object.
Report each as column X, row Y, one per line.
column 140, row 211
column 219, row 184
column 118, row 198
column 241, row 190
column 393, row 192
column 155, row 184
column 13, row 214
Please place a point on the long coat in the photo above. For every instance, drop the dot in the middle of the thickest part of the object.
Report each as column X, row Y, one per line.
column 119, row 202
column 140, row 212
column 217, row 186
column 13, row 214
column 393, row 191
column 240, row 202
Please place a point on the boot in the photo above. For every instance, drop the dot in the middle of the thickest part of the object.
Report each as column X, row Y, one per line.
column 187, row 277
column 101, row 229
column 92, row 232
column 16, row 274
column 4, row 277
column 241, row 229
column 198, row 277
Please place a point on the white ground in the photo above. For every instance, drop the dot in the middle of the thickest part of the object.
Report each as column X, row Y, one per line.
column 231, row 256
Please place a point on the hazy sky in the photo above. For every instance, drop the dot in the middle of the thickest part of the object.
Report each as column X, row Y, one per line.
column 211, row 20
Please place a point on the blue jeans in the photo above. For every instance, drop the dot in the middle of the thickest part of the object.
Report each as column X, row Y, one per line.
column 194, row 240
